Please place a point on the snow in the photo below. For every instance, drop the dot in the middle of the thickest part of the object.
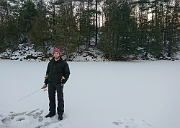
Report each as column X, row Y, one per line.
column 28, row 53
column 136, row 94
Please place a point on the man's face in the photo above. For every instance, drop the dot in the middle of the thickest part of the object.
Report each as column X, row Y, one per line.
column 56, row 55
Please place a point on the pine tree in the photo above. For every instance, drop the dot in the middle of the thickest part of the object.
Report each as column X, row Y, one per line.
column 8, row 26
column 117, row 38
column 26, row 14
column 172, row 24
column 67, row 33
column 39, row 33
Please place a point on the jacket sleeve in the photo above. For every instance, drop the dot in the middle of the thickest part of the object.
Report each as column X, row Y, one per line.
column 47, row 73
column 66, row 73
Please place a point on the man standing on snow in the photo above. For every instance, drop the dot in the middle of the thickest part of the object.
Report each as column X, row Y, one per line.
column 56, row 76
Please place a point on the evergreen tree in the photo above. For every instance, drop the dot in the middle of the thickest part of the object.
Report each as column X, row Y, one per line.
column 141, row 12
column 171, row 31
column 26, row 14
column 86, row 16
column 39, row 33
column 117, row 37
column 8, row 26
column 67, row 33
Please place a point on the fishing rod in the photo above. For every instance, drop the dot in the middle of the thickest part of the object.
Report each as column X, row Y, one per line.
column 32, row 94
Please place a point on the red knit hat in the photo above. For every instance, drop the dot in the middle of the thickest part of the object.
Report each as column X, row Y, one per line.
column 56, row 50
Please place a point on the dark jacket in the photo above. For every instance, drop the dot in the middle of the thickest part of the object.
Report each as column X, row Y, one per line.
column 57, row 72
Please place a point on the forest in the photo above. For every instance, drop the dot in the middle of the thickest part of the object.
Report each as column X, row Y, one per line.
column 119, row 28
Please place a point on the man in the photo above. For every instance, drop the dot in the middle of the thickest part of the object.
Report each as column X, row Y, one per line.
column 56, row 76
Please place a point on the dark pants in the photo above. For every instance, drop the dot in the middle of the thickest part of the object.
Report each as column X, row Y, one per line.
column 52, row 89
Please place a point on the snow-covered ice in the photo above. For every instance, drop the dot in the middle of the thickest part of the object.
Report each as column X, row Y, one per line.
column 137, row 94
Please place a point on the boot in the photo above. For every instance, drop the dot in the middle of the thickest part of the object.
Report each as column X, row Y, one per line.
column 60, row 117
column 49, row 115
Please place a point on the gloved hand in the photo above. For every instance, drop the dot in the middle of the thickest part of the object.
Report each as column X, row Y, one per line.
column 44, row 86
column 63, row 81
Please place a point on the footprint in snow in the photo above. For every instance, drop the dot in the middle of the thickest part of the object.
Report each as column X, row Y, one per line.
column 6, row 120
column 40, row 119
column 52, row 122
column 17, row 117
column 20, row 119
column 132, row 123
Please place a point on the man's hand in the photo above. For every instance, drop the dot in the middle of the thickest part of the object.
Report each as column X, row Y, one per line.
column 44, row 86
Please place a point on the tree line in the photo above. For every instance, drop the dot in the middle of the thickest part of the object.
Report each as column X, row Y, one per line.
column 119, row 28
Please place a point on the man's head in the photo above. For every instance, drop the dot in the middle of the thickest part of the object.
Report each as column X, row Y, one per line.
column 56, row 53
